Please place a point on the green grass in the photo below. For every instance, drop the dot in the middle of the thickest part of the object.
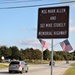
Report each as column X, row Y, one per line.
column 37, row 62
column 3, row 65
column 73, row 64
column 70, row 71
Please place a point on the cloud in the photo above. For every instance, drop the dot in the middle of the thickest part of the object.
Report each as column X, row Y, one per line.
column 66, row 0
column 72, row 29
column 28, row 29
column 28, row 42
column 34, row 43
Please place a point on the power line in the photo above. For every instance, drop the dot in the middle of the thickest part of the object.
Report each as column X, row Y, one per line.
column 36, row 5
column 19, row 1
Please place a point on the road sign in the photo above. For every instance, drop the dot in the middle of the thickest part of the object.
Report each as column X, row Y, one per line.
column 53, row 22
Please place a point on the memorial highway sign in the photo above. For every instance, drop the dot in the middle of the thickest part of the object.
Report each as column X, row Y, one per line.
column 53, row 22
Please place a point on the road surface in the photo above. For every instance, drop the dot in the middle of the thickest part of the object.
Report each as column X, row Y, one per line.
column 42, row 69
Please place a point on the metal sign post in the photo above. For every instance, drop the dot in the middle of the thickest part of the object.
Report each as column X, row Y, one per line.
column 42, row 54
column 51, row 56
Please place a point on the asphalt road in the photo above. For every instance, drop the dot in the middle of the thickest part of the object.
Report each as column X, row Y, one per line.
column 42, row 69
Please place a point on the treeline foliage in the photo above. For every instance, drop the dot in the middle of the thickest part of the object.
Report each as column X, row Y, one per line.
column 33, row 54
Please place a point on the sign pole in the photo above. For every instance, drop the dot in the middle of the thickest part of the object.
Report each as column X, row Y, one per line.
column 42, row 54
column 51, row 56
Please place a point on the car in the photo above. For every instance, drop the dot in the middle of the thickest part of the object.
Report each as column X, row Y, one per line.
column 53, row 63
column 18, row 66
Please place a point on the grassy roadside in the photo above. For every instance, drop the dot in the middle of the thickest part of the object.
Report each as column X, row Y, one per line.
column 3, row 65
column 70, row 71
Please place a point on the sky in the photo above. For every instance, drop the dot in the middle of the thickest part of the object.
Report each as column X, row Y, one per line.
column 18, row 26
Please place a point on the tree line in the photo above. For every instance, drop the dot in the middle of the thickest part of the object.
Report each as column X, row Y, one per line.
column 34, row 54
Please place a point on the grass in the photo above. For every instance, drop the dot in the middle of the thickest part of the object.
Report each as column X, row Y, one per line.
column 37, row 62
column 70, row 71
column 73, row 64
column 3, row 65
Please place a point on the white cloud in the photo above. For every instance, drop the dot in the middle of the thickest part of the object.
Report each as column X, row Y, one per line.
column 28, row 42
column 66, row 0
column 72, row 29
column 35, row 43
column 28, row 29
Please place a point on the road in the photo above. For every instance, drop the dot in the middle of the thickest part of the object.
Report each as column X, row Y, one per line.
column 42, row 69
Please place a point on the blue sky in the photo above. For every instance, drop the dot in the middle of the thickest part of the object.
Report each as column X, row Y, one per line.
column 18, row 27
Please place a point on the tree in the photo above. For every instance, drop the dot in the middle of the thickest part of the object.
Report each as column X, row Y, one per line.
column 58, row 55
column 31, row 54
column 28, row 53
column 15, row 52
column 38, row 54
column 73, row 55
column 22, row 56
column 5, row 51
column 34, row 54
column 46, row 55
